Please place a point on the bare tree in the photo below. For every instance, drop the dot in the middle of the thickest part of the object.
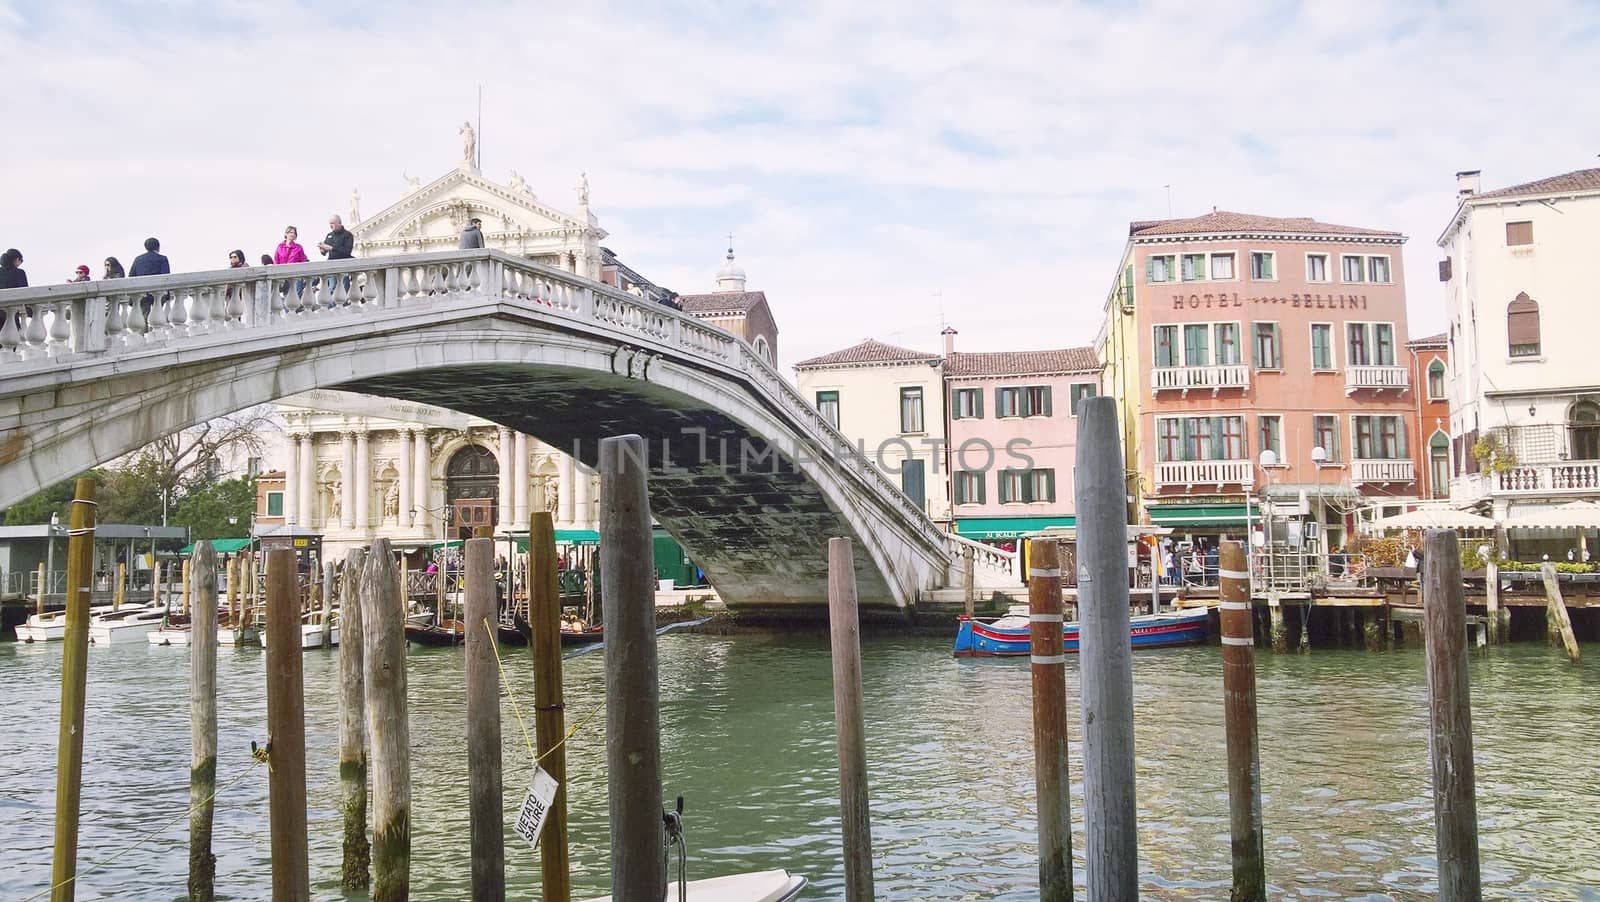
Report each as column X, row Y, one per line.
column 194, row 457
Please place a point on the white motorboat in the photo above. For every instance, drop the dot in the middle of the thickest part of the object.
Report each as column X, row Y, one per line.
column 244, row 634
column 763, row 886
column 171, row 635
column 128, row 624
column 50, row 627
column 311, row 632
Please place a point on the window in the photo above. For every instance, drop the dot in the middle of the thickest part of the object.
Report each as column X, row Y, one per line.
column 1194, row 267
column 1370, row 344
column 1316, row 267
column 1439, row 466
column 1262, row 265
column 968, row 487
column 1221, row 266
column 1159, row 269
column 1583, row 428
column 1355, row 268
column 1380, row 438
column 1228, row 353
column 1356, row 344
column 1166, row 345
column 1196, row 350
column 1378, row 269
column 1271, row 438
column 1383, row 343
column 1436, row 380
column 1269, row 351
column 1522, row 326
column 1519, row 233
column 911, row 409
column 1081, row 390
column 1200, row 438
column 1041, row 485
column 1322, row 346
column 1325, row 432
column 1011, row 484
column 274, row 504
column 1008, row 402
column 966, row 404
column 828, row 406
column 1032, row 401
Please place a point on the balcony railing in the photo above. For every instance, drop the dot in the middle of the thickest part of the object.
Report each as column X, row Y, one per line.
column 1190, row 378
column 1205, row 472
column 1570, row 478
column 1383, row 471
column 1375, row 377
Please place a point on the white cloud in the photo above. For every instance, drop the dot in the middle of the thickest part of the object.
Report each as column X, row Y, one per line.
column 867, row 156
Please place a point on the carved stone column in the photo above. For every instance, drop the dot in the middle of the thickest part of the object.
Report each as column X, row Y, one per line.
column 422, row 473
column 308, row 479
column 291, row 482
column 503, row 508
column 519, row 483
column 403, row 518
column 564, row 491
column 347, row 484
column 364, row 480
column 583, row 516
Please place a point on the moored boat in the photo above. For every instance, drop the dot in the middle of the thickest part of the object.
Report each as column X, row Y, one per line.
column 243, row 634
column 124, row 625
column 445, row 632
column 1009, row 635
column 50, row 626
column 172, row 634
column 776, row 885
column 310, row 632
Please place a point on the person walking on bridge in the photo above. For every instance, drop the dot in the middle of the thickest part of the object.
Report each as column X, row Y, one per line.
column 289, row 249
column 339, row 244
column 81, row 274
column 472, row 235
column 114, row 269
column 150, row 263
column 12, row 274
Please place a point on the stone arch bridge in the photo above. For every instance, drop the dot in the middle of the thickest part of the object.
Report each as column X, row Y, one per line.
column 744, row 473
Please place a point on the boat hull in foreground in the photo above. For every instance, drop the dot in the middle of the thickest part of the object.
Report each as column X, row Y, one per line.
column 1009, row 636
column 763, row 886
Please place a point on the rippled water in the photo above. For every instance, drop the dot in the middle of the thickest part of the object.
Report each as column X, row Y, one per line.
column 747, row 738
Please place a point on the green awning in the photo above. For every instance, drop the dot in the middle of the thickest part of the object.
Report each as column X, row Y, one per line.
column 564, row 537
column 1007, row 527
column 222, row 546
column 1197, row 514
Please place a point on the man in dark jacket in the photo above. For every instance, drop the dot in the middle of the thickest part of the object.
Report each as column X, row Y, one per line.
column 339, row 243
column 149, row 263
column 12, row 274
column 472, row 235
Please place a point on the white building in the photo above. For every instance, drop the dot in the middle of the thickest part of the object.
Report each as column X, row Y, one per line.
column 1524, row 382
column 889, row 401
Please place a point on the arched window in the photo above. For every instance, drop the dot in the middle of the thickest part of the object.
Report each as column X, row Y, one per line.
column 1583, row 430
column 1522, row 326
column 1439, row 465
column 1436, row 380
column 762, row 348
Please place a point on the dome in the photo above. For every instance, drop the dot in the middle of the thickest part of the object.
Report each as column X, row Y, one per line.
column 730, row 275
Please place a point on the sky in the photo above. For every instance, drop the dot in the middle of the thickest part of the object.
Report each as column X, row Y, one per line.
column 885, row 168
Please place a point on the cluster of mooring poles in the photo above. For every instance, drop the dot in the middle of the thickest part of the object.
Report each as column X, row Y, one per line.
column 1110, row 801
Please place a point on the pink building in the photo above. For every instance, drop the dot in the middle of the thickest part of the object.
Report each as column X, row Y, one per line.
column 1229, row 334
column 1013, row 437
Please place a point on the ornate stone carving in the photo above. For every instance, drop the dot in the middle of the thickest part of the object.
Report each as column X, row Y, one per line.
column 413, row 182
column 355, row 206
column 391, row 502
column 335, row 499
column 583, row 189
column 469, row 144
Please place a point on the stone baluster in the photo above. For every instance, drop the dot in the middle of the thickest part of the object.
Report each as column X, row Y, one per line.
column 341, row 291
column 60, row 329
column 178, row 315
column 116, row 320
column 236, row 304
column 201, row 313
column 436, row 279
column 10, row 334
column 328, row 292
column 34, row 333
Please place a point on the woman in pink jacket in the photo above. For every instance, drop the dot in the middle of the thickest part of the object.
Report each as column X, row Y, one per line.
column 290, row 250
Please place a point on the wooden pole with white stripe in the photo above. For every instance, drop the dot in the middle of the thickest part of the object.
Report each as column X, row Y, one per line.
column 844, row 627
column 1050, row 720
column 1239, row 710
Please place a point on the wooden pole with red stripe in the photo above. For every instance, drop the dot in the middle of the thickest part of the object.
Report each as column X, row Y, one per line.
column 1239, row 710
column 1048, row 655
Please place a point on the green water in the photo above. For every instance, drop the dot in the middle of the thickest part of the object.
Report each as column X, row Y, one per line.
column 748, row 740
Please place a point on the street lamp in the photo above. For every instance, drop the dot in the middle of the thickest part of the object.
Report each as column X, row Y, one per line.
column 50, row 553
column 1319, row 456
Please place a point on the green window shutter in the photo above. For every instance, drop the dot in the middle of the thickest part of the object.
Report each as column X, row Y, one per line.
column 1200, row 266
column 1005, row 486
column 1185, row 434
column 1047, row 400
column 1049, row 485
column 983, row 482
column 1218, row 451
column 959, row 491
column 1149, row 269
column 977, row 403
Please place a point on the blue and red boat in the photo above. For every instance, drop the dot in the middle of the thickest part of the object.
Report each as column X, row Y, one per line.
column 1009, row 635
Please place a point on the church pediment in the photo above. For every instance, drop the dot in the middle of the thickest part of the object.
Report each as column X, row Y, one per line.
column 434, row 214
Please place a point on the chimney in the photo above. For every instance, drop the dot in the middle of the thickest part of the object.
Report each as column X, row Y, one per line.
column 1467, row 183
column 949, row 334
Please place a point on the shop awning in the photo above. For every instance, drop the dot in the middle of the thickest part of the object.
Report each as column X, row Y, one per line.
column 221, row 546
column 1576, row 515
column 1434, row 518
column 1197, row 514
column 1007, row 527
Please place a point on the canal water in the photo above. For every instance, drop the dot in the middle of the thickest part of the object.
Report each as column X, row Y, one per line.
column 748, row 741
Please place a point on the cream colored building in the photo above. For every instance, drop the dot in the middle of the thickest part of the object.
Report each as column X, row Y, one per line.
column 1524, row 386
column 889, row 401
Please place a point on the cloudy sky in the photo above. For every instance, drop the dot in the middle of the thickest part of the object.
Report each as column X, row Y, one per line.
column 882, row 165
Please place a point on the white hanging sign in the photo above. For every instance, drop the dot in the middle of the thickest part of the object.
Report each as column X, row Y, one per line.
column 535, row 808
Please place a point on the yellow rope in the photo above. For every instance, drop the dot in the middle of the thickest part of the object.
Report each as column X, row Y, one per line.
column 515, row 709
column 255, row 759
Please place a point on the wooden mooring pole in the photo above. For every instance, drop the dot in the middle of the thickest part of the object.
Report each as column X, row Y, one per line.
column 1455, row 807
column 633, row 713
column 1052, row 783
column 355, row 868
column 202, row 586
column 40, row 584
column 1239, row 712
column 119, row 594
column 1110, row 803
column 286, row 732
column 328, row 569
column 74, row 679
column 485, row 807
column 383, row 658
column 233, row 590
column 844, row 626
column 549, row 718
column 1557, row 621
column 183, row 575
column 1491, row 593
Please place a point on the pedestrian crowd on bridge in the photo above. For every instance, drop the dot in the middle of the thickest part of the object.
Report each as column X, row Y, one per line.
column 338, row 244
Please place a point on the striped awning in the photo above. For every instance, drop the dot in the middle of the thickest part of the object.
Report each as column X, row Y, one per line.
column 1575, row 515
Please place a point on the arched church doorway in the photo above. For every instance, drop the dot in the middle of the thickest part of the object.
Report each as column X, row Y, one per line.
column 472, row 488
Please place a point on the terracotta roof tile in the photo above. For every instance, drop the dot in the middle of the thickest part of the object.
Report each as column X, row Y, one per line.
column 721, row 302
column 1022, row 363
column 1577, row 180
column 869, row 351
column 1226, row 221
column 1429, row 341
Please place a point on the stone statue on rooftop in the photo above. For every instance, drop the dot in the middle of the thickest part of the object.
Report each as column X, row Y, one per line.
column 583, row 189
column 518, row 183
column 355, row 206
column 469, row 144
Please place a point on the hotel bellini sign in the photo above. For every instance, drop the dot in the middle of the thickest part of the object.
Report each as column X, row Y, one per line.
column 1232, row 299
